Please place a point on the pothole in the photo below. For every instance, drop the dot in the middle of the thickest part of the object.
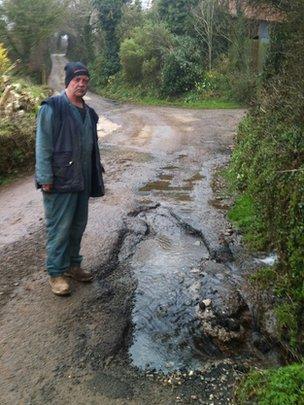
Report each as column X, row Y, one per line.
column 167, row 295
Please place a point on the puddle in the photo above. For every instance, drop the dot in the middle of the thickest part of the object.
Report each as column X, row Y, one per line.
column 167, row 296
column 196, row 177
column 165, row 265
column 182, row 197
column 106, row 127
column 166, row 176
column 171, row 168
column 156, row 185
column 166, row 187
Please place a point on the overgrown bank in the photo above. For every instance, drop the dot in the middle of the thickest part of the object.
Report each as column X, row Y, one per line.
column 19, row 101
column 267, row 172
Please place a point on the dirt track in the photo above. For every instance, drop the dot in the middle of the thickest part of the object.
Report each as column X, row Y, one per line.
column 78, row 350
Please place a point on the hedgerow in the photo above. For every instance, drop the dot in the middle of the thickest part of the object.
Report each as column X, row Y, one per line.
column 267, row 168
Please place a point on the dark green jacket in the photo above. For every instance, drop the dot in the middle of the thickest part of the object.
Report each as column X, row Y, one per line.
column 58, row 150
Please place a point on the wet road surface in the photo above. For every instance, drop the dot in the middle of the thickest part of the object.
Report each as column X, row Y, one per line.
column 135, row 335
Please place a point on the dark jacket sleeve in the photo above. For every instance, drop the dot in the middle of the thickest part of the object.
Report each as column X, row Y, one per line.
column 44, row 145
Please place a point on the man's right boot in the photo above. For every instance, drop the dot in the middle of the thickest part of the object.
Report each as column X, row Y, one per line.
column 59, row 285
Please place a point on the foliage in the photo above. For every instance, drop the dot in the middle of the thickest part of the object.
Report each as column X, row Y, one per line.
column 109, row 14
column 268, row 166
column 176, row 14
column 244, row 215
column 284, row 385
column 264, row 278
column 244, row 87
column 240, row 71
column 132, row 17
column 181, row 68
column 17, row 143
column 79, row 27
column 4, row 60
column 27, row 25
column 143, row 54
column 174, row 64
column 17, row 126
column 131, row 58
column 211, row 23
column 213, row 84
column 117, row 89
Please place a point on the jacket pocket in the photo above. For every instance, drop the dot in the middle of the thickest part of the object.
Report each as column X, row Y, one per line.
column 63, row 165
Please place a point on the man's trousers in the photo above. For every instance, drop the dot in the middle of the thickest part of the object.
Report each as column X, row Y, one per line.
column 66, row 217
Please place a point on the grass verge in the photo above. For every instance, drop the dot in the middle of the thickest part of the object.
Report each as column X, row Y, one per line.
column 190, row 100
column 282, row 386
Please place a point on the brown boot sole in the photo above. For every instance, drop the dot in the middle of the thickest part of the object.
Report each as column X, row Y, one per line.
column 61, row 294
column 82, row 280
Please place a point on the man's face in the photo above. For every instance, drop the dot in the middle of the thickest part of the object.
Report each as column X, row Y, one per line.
column 78, row 86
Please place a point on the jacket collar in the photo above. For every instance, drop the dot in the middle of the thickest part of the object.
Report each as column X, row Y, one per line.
column 66, row 98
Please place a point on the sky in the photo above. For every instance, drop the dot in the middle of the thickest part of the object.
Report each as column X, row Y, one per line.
column 145, row 2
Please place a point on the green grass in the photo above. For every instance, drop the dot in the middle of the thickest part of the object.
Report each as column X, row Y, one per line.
column 281, row 386
column 244, row 217
column 139, row 96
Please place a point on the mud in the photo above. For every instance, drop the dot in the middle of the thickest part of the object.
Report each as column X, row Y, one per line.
column 156, row 243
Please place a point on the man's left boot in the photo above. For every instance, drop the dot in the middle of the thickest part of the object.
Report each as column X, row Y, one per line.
column 78, row 274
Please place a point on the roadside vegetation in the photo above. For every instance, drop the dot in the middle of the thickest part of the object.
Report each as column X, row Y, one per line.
column 276, row 386
column 26, row 35
column 267, row 175
column 184, row 53
column 19, row 101
column 189, row 53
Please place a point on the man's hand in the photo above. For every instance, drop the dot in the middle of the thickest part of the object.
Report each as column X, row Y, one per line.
column 47, row 187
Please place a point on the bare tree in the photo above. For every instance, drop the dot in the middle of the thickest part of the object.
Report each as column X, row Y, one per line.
column 207, row 24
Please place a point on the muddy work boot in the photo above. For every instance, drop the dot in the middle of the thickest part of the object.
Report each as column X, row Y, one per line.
column 59, row 285
column 78, row 274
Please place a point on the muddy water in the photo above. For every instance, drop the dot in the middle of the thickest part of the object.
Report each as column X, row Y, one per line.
column 166, row 267
column 167, row 294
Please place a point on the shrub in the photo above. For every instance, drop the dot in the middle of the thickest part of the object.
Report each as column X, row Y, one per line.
column 131, row 59
column 142, row 55
column 244, row 87
column 181, row 68
column 17, row 144
column 17, row 126
column 213, row 84
column 95, row 69
column 268, row 167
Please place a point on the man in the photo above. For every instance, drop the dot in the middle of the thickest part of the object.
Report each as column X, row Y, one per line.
column 68, row 170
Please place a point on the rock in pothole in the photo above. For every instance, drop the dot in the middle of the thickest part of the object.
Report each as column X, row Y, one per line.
column 223, row 312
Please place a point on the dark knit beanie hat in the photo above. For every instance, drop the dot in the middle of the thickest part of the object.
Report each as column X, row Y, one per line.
column 73, row 69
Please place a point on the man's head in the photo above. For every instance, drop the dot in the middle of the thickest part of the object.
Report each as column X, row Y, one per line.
column 76, row 78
